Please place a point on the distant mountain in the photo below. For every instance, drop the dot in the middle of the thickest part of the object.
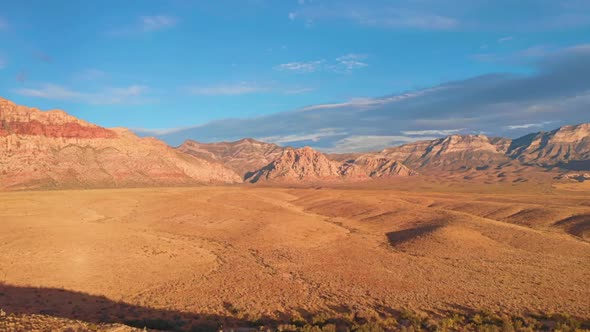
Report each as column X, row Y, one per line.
column 295, row 165
column 490, row 159
column 242, row 156
column 566, row 147
column 308, row 165
column 55, row 150
column 451, row 153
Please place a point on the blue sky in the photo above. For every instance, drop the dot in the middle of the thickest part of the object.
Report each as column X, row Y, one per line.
column 337, row 75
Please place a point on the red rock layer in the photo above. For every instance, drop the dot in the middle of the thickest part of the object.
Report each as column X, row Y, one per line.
column 66, row 130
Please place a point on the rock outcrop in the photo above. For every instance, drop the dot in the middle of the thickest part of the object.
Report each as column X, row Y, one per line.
column 309, row 165
column 567, row 147
column 451, row 153
column 243, row 156
column 55, row 150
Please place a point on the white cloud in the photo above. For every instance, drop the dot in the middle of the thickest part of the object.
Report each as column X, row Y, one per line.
column 228, row 89
column 314, row 137
column 159, row 131
column 342, row 64
column 296, row 91
column 108, row 96
column 556, row 89
column 443, row 132
column 158, row 22
column 378, row 16
column 292, row 16
column 301, row 67
column 505, row 39
column 528, row 125
column 372, row 142
column 352, row 61
column 367, row 103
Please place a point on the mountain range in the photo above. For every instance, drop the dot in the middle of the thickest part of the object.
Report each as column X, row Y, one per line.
column 51, row 149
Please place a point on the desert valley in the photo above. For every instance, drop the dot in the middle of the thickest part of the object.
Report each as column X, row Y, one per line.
column 104, row 230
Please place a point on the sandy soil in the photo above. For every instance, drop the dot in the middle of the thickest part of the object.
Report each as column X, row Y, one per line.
column 249, row 252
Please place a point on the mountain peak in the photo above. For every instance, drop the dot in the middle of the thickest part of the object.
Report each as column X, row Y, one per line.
column 28, row 121
column 53, row 149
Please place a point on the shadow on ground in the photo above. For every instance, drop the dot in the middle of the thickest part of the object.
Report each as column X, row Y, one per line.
column 99, row 309
column 88, row 308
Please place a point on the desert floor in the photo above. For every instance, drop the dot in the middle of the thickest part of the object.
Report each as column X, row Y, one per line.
column 253, row 252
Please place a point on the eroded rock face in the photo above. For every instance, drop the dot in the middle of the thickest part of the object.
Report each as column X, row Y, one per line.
column 243, row 156
column 451, row 152
column 379, row 167
column 309, row 165
column 296, row 165
column 21, row 120
column 55, row 150
column 568, row 144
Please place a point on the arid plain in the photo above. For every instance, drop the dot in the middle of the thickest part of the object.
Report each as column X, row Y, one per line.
column 236, row 254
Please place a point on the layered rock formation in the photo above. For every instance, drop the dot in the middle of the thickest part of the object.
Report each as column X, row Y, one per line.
column 243, row 156
column 55, row 150
column 294, row 165
column 25, row 121
column 309, row 165
column 567, row 147
column 451, row 153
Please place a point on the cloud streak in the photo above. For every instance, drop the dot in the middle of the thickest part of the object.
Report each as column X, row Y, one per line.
column 401, row 16
column 108, row 96
column 146, row 24
column 343, row 64
column 228, row 89
column 158, row 22
column 556, row 93
column 301, row 67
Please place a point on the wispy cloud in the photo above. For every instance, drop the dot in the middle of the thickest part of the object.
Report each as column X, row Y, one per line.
column 391, row 17
column 158, row 22
column 343, row 64
column 505, row 39
column 301, row 137
column 2, row 62
column 228, row 89
column 528, row 125
column 145, row 24
column 519, row 57
column 3, row 24
column 301, row 67
column 372, row 142
column 365, row 103
column 440, row 132
column 296, row 91
column 352, row 61
column 557, row 90
column 107, row 96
